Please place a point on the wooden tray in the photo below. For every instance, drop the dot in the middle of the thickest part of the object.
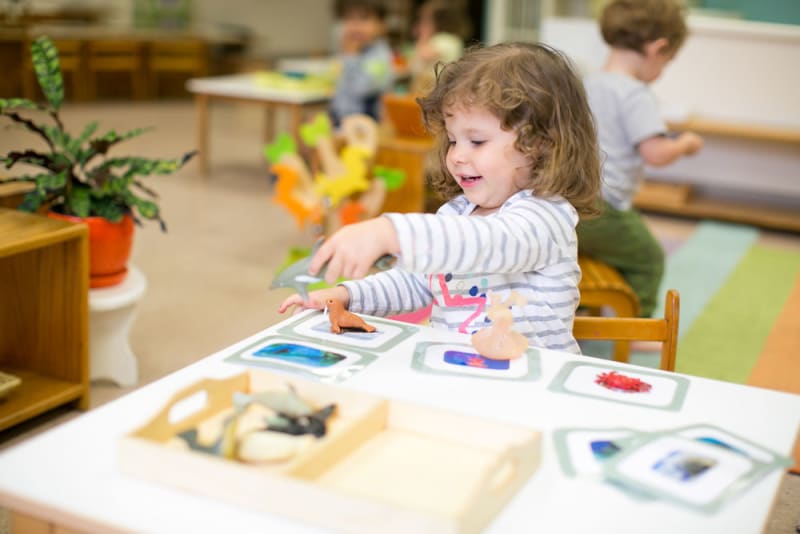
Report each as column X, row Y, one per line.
column 383, row 465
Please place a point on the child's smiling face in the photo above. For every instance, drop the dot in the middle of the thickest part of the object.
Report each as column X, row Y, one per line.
column 483, row 159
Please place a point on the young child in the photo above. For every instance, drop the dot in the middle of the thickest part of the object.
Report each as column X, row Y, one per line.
column 644, row 35
column 365, row 60
column 439, row 34
column 518, row 160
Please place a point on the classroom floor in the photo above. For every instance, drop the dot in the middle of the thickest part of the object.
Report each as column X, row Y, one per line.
column 208, row 277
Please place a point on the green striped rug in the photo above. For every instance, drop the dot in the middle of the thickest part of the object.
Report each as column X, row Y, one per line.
column 732, row 290
column 726, row 339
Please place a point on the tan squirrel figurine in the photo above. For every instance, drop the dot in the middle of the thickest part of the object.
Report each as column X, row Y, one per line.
column 499, row 341
column 342, row 319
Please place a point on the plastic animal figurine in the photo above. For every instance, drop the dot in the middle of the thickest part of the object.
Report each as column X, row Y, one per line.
column 296, row 275
column 342, row 319
column 499, row 341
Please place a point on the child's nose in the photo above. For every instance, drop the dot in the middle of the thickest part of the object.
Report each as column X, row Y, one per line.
column 457, row 153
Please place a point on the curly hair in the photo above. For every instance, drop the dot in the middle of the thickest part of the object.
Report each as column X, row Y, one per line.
column 631, row 24
column 532, row 89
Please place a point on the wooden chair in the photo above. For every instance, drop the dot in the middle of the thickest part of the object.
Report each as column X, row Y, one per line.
column 187, row 57
column 637, row 329
column 601, row 285
column 116, row 56
column 70, row 56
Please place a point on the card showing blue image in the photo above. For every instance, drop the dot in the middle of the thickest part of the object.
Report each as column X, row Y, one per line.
column 719, row 443
column 682, row 466
column 603, row 449
column 473, row 359
column 299, row 354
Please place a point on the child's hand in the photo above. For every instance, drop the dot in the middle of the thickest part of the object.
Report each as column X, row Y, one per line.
column 352, row 250
column 691, row 142
column 316, row 299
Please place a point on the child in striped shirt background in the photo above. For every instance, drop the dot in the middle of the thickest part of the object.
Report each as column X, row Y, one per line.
column 518, row 162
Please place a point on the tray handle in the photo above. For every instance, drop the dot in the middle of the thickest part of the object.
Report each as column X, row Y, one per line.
column 218, row 392
column 504, row 475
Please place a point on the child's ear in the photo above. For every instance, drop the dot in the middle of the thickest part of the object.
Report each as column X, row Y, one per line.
column 657, row 47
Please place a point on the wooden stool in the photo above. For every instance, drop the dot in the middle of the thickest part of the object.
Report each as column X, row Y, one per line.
column 112, row 311
column 187, row 57
column 601, row 285
column 70, row 56
column 116, row 55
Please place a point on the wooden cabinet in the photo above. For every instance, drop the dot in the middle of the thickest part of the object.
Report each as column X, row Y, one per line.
column 44, row 304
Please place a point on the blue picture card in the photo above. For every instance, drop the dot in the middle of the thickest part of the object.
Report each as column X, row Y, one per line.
column 305, row 357
column 459, row 359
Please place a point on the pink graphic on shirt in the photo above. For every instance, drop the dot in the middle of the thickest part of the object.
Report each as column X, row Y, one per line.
column 459, row 300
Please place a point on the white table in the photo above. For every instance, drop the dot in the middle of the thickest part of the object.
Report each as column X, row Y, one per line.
column 246, row 88
column 69, row 475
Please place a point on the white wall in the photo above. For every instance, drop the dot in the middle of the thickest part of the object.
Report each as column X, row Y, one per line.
column 728, row 70
column 279, row 26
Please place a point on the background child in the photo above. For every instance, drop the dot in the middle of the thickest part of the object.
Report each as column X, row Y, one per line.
column 439, row 34
column 644, row 35
column 365, row 57
column 517, row 157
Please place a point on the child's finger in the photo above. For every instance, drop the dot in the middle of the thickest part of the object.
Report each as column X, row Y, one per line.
column 320, row 258
column 334, row 270
column 294, row 300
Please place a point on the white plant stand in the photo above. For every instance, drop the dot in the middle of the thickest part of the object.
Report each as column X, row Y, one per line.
column 112, row 311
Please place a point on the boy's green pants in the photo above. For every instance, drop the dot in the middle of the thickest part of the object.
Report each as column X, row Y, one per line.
column 622, row 240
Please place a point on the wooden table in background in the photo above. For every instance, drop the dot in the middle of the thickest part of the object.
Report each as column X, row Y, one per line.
column 245, row 88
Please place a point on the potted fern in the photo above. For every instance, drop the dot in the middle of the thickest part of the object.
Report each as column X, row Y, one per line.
column 76, row 178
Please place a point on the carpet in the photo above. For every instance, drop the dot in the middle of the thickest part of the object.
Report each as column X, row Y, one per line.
column 740, row 310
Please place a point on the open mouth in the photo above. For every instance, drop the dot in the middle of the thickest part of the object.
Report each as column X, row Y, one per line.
column 468, row 181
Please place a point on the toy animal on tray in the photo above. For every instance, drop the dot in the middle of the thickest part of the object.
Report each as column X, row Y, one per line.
column 280, row 429
column 499, row 341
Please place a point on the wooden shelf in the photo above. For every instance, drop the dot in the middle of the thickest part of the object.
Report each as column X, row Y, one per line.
column 754, row 132
column 35, row 395
column 680, row 199
column 21, row 232
column 44, row 313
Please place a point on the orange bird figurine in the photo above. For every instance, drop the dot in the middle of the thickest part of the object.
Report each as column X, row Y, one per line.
column 341, row 318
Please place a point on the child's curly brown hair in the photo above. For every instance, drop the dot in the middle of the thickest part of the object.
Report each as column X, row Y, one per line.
column 631, row 24
column 534, row 90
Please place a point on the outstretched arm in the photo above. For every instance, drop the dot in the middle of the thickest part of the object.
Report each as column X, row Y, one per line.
column 316, row 299
column 529, row 235
column 662, row 150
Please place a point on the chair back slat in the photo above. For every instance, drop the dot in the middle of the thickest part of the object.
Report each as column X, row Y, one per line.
column 637, row 329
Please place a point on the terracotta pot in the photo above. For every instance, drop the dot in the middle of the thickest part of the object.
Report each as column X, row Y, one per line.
column 109, row 247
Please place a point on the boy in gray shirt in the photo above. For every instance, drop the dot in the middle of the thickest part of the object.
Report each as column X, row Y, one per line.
column 644, row 35
column 365, row 60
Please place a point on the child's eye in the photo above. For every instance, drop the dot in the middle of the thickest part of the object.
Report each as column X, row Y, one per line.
column 477, row 143
column 451, row 142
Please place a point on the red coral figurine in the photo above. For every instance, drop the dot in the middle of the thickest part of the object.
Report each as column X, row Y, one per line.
column 618, row 382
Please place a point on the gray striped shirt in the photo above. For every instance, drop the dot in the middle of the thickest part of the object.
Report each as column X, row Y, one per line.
column 528, row 246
